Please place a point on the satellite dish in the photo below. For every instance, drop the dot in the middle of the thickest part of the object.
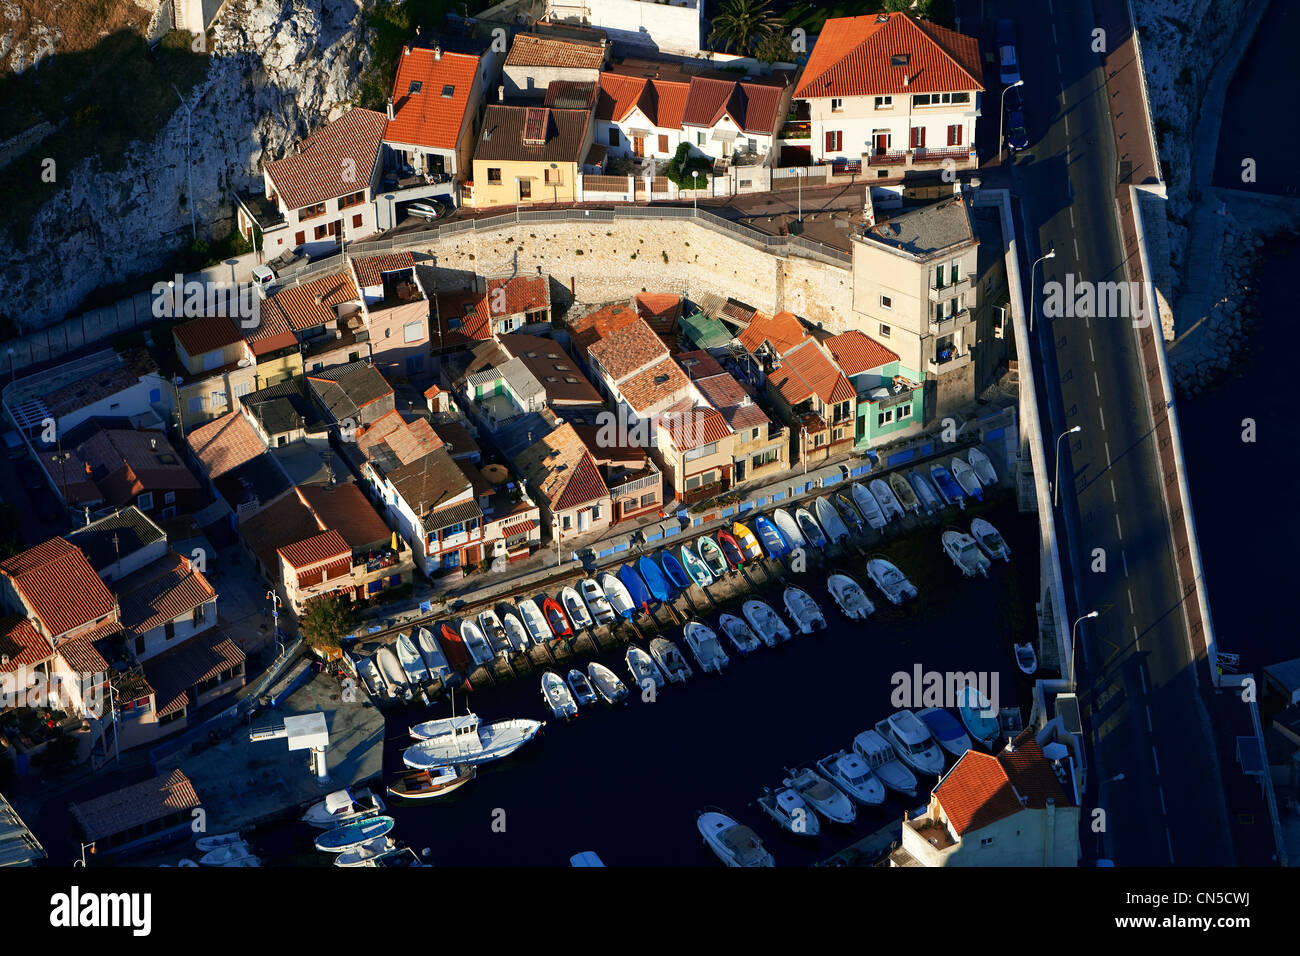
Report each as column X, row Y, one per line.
column 244, row 363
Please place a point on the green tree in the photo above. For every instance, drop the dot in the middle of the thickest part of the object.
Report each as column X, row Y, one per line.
column 325, row 622
column 920, row 8
column 745, row 26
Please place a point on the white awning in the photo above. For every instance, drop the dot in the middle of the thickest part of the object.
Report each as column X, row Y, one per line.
column 643, row 133
column 724, row 135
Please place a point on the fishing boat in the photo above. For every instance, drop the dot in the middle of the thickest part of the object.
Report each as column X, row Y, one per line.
column 392, row 671
column 463, row 740
column 848, row 594
column 987, row 537
column 904, row 493
column 912, row 742
column 827, row 800
column 925, row 492
column 494, row 631
column 643, row 668
column 366, row 853
column 948, row 488
column 673, row 568
column 340, row 807
column 429, row 784
column 774, row 542
column 533, row 620
column 868, row 505
column 417, row 671
column 891, row 581
column 618, row 596
column 608, row 686
column 812, row 531
column 767, row 624
column 946, row 729
column 713, row 556
column 830, row 520
column 1026, row 657
column 670, row 660
column 581, row 687
column 786, row 524
column 634, row 586
column 978, row 715
column 742, row 637
column 516, row 632
column 660, row 586
column 556, row 619
column 965, row 553
column 748, row 542
column 733, row 843
column 852, row 516
column 886, row 498
column 228, row 855
column 790, row 811
column 374, row 681
column 480, row 651
column 457, row 652
column 597, row 603
column 557, row 696
column 575, row 608
column 803, row 610
column 851, row 774
column 209, row 843
column 884, row 763
column 697, row 569
column 983, row 467
column 731, row 548
column 705, row 646
column 967, row 478
column 353, row 834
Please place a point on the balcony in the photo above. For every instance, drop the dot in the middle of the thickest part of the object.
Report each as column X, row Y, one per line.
column 797, row 129
column 940, row 293
column 957, row 154
column 949, row 360
column 950, row 324
column 635, row 482
column 893, row 157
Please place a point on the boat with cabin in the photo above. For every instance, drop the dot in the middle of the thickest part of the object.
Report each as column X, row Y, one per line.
column 848, row 594
column 450, row 741
column 965, row 553
column 670, row 660
column 912, row 741
column 884, row 763
column 790, row 811
column 819, row 794
column 557, row 695
column 893, row 584
column 803, row 610
column 706, row 648
column 767, row 624
column 851, row 774
column 733, row 843
column 739, row 633
column 987, row 537
column 342, row 806
column 430, row 784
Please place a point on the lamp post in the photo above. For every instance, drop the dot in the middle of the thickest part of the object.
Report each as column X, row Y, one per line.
column 798, row 175
column 695, row 175
column 275, row 620
column 1002, row 115
column 803, row 446
column 82, row 861
column 117, row 737
column 1074, row 643
column 1050, row 254
column 518, row 196
column 1056, row 484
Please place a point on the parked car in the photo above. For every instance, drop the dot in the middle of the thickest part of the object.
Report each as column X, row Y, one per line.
column 430, row 209
column 1009, row 71
column 1017, row 135
column 1012, row 100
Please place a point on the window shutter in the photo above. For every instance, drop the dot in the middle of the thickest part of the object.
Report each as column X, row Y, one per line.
column 830, row 142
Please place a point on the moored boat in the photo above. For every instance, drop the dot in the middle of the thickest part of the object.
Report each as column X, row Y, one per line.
column 925, row 492
column 712, row 555
column 848, row 594
column 731, row 548
column 912, row 742
column 581, row 687
column 670, row 660
column 608, row 686
column 852, row 516
column 643, row 669
column 480, row 651
column 450, row 741
column 786, row 524
column 851, row 774
column 748, row 542
column 947, row 486
column 733, row 843
column 790, row 811
column 353, row 834
column 430, row 784
column 826, row 799
column 705, row 646
column 803, row 610
column 967, row 478
column 891, row 581
column 457, row 652
column 697, row 569
column 515, row 632
column 494, row 631
column 232, row 854
column 365, row 854
column 1026, row 657
column 656, row 582
column 556, row 619
column 886, row 498
column 774, row 542
column 368, row 671
column 417, row 671
column 575, row 608
column 946, row 730
column 673, row 568
column 812, row 531
column 868, row 505
column 983, row 467
column 767, row 624
column 597, row 603
column 977, row 714
column 533, row 619
column 904, row 492
column 392, row 671
column 830, row 520
column 741, row 635
column 987, row 537
column 342, row 806
column 884, row 762
column 619, row 597
column 207, row 844
column 558, row 697
column 965, row 553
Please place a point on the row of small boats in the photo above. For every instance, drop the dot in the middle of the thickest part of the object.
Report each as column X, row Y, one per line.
column 973, row 553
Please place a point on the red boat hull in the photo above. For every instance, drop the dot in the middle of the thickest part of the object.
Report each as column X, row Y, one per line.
column 457, row 653
column 737, row 554
column 555, row 614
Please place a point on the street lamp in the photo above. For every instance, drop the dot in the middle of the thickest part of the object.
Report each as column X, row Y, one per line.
column 1050, row 254
column 798, row 175
column 1002, row 114
column 695, row 175
column 518, row 196
column 1056, row 485
column 275, row 620
column 803, row 446
column 1074, row 643
column 82, row 861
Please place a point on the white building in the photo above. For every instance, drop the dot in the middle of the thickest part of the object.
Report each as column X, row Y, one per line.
column 661, row 26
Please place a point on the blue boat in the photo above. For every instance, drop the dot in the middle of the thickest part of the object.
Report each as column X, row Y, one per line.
column 353, row 834
column 673, row 568
column 635, row 586
column 774, row 542
column 949, row 490
column 655, row 578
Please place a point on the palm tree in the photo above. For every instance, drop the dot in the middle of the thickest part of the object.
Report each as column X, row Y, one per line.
column 745, row 24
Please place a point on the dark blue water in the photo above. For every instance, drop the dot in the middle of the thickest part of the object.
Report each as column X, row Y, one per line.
column 628, row 782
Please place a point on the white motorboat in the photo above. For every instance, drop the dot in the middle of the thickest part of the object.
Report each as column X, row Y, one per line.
column 767, row 624
column 558, row 697
column 886, row 498
column 740, row 634
column 830, row 520
column 852, row 775
column 904, row 492
column 912, row 742
column 608, row 686
column 343, row 806
column 516, row 632
column 374, row 681
column 868, row 505
column 733, row 843
column 892, row 582
column 803, row 610
column 790, row 811
column 480, row 651
column 1026, row 657
column 208, row 843
column 827, row 800
column 786, row 524
column 643, row 668
column 494, row 631
column 967, row 478
column 392, row 672
column 929, row 498
column 983, row 467
column 597, row 603
column 945, row 729
column 430, row 784
column 417, row 671
column 978, row 715
column 965, row 553
column 579, row 618
column 618, row 596
column 848, row 594
column 706, row 647
column 534, row 620
column 463, row 740
column 364, row 854
column 987, row 537
column 432, row 652
column 670, row 660
column 884, row 763
column 581, row 687
column 226, row 855
column 812, row 531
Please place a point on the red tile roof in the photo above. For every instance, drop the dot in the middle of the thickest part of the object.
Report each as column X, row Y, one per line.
column 347, row 147
column 699, row 364
column 982, row 789
column 853, row 58
column 570, row 94
column 136, row 805
column 630, row 348
column 56, row 581
column 226, row 443
column 326, row 546
column 691, row 426
column 591, row 328
column 531, row 50
column 20, row 645
column 116, row 466
column 519, row 527
column 707, row 100
column 721, row 390
column 662, row 102
column 310, row 305
column 81, row 657
column 781, row 332
column 369, row 270
column 806, row 370
column 522, row 294
column 271, row 333
column 409, row 441
column 206, row 334
column 162, row 592
column 661, row 310
column 199, row 659
column 648, row 390
column 562, row 470
column 856, row 352
column 429, row 116
column 346, row 509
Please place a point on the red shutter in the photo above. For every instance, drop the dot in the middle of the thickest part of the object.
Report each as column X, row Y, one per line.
column 918, row 137
column 830, row 143
column 954, row 135
column 299, row 238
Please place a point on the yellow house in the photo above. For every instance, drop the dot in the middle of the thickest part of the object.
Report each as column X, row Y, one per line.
column 529, row 155
column 275, row 348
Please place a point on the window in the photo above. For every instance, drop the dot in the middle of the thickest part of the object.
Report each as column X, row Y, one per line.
column 954, row 135
column 753, row 435
column 886, row 302
column 918, row 137
column 613, row 136
column 311, row 212
column 413, row 331
column 243, row 388
column 452, row 559
column 525, row 189
column 553, row 177
column 494, row 175
column 834, row 141
column 647, row 500
column 700, row 139
column 885, row 417
column 322, row 232
column 566, row 523
column 986, row 841
column 663, row 143
column 595, row 512
column 356, row 221
column 218, row 398
column 169, row 629
column 355, row 199
column 884, row 331
column 837, row 104
column 904, row 411
column 940, row 99
column 702, row 452
column 839, row 433
column 167, row 513
column 884, row 102
column 200, row 613
column 145, row 501
column 819, row 441
column 765, row 458
column 169, row 498
column 299, row 238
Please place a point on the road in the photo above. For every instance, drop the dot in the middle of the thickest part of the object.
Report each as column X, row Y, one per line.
column 1139, row 674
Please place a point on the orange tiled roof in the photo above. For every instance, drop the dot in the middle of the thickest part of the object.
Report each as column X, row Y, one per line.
column 20, row 645
column 431, row 116
column 56, row 581
column 657, row 384
column 781, row 332
column 369, row 270
column 691, row 426
column 982, row 789
column 529, row 49
column 300, row 306
column 562, row 470
column 624, row 351
column 334, row 161
column 162, row 592
column 225, row 443
column 805, row 371
column 206, row 334
column 136, row 805
column 326, row 546
column 81, row 657
column 409, row 441
column 591, row 328
column 856, row 352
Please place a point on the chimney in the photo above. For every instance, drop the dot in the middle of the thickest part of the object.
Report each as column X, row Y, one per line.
column 907, row 80
column 392, row 113
column 501, row 94
column 437, row 52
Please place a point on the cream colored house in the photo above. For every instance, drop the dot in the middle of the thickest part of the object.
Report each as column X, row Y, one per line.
column 220, row 367
column 528, row 155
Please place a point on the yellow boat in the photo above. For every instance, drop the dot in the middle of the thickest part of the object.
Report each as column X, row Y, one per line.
column 748, row 541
